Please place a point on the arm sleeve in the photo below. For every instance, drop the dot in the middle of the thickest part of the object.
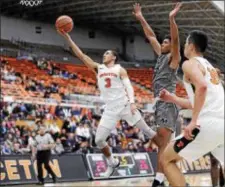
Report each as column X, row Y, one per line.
column 129, row 89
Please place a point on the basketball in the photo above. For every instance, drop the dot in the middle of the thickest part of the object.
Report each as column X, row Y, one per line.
column 64, row 23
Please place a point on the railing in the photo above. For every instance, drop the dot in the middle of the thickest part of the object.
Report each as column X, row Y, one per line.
column 79, row 101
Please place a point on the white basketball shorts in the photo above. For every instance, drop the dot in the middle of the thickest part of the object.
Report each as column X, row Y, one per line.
column 111, row 116
column 209, row 139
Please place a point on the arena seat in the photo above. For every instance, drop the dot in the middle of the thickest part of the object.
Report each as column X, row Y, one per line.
column 85, row 82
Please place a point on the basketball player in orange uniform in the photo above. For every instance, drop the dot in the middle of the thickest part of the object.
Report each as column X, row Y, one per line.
column 117, row 93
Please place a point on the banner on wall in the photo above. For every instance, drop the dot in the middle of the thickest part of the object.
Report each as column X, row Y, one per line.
column 20, row 169
column 131, row 165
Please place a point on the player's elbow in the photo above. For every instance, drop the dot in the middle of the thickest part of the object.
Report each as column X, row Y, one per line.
column 202, row 88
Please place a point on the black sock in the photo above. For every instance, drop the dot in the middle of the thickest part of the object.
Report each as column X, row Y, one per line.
column 156, row 183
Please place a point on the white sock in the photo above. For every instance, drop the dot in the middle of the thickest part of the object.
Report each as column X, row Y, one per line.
column 110, row 160
column 160, row 177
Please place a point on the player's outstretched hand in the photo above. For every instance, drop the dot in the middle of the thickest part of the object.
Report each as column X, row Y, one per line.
column 137, row 11
column 174, row 12
column 63, row 33
column 133, row 108
column 166, row 96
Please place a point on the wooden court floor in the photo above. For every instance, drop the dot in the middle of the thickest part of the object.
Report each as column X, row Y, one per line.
column 193, row 180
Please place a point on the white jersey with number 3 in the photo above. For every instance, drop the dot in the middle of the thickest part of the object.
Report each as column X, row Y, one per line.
column 214, row 103
column 110, row 84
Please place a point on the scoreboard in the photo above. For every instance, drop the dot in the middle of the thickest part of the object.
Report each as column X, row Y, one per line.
column 131, row 165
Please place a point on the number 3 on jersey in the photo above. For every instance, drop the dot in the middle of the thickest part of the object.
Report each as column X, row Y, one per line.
column 108, row 82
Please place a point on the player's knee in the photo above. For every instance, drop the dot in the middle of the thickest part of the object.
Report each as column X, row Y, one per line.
column 169, row 155
column 164, row 136
column 164, row 159
column 100, row 142
column 161, row 143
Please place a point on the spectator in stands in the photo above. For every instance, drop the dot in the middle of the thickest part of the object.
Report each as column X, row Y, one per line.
column 4, row 112
column 9, row 140
column 83, row 132
column 131, row 148
column 23, row 109
column 42, row 64
column 47, row 92
column 3, row 129
column 63, row 137
column 65, row 74
column 40, row 112
column 58, row 147
column 54, row 130
column 71, row 143
column 31, row 140
column 66, row 124
column 8, row 73
column 49, row 68
column 5, row 149
column 140, row 147
column 10, row 107
column 17, row 148
column 131, row 133
column 18, row 133
column 86, row 132
column 54, row 88
column 112, row 146
column 72, row 125
column 59, row 112
column 39, row 123
column 19, row 139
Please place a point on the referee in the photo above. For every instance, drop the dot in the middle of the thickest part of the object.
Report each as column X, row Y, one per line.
column 43, row 143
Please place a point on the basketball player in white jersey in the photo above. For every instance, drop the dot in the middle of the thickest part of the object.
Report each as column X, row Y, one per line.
column 117, row 93
column 205, row 133
column 216, row 171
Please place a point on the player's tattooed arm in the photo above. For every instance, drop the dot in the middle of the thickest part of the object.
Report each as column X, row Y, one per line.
column 175, row 43
column 78, row 52
column 149, row 33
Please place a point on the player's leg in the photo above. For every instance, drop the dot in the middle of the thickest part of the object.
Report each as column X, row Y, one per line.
column 100, row 140
column 170, row 168
column 104, row 129
column 218, row 153
column 214, row 170
column 189, row 149
column 166, row 117
column 163, row 138
column 138, row 121
column 221, row 176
